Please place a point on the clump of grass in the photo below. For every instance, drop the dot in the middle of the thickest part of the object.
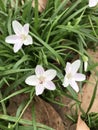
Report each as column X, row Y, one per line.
column 60, row 33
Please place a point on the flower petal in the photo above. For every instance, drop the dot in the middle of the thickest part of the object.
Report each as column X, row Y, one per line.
column 17, row 27
column 68, row 67
column 32, row 80
column 39, row 89
column 65, row 82
column 49, row 85
column 17, row 47
column 28, row 41
column 79, row 77
column 75, row 66
column 50, row 74
column 26, row 29
column 74, row 85
column 12, row 39
column 92, row 3
column 39, row 70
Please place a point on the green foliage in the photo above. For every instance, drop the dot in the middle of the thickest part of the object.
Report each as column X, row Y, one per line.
column 60, row 33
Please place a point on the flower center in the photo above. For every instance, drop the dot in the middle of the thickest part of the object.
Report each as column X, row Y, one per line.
column 23, row 37
column 69, row 75
column 41, row 79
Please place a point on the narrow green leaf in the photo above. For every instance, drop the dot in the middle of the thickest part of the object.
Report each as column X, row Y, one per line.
column 93, row 97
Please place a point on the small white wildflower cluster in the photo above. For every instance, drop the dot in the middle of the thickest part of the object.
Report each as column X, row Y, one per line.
column 43, row 79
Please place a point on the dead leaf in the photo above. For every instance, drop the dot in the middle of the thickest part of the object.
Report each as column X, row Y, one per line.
column 44, row 112
column 48, row 115
column 41, row 5
column 81, row 125
column 90, row 85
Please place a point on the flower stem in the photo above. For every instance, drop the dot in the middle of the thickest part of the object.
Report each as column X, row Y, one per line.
column 3, row 104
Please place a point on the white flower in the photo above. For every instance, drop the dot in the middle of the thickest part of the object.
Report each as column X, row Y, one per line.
column 20, row 37
column 93, row 3
column 42, row 79
column 72, row 76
